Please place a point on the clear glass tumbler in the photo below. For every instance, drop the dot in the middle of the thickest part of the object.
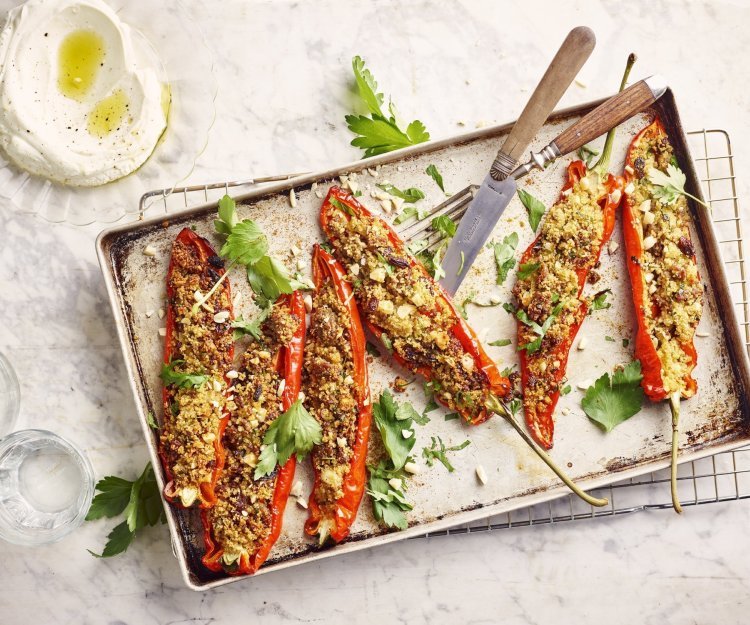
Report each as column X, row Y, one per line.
column 46, row 483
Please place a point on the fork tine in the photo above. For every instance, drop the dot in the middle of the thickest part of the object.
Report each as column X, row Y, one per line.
column 450, row 207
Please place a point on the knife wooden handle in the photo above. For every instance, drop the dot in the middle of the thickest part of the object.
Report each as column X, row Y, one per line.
column 569, row 59
column 608, row 115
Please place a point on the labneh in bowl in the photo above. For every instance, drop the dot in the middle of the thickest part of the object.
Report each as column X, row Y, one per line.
column 187, row 72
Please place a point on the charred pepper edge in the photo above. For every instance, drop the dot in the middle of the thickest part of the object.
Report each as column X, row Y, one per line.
column 325, row 267
column 207, row 489
column 289, row 362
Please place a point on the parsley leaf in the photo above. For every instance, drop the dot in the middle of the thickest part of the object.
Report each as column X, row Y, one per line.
column 181, row 380
column 438, row 451
column 534, row 207
column 600, row 301
column 227, row 216
column 670, row 185
column 526, row 270
column 433, row 173
column 295, row 431
column 392, row 422
column 246, row 244
column 445, row 225
column 269, row 277
column 539, row 330
column 504, row 260
column 389, row 504
column 500, row 342
column 509, row 308
column 139, row 500
column 609, row 402
column 379, row 133
column 151, row 420
column 410, row 195
column 252, row 327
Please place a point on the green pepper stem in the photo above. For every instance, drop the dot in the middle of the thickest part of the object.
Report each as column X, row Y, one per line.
column 674, row 404
column 497, row 406
column 603, row 163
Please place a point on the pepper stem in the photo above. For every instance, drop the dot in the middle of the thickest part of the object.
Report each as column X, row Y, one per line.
column 497, row 406
column 674, row 404
column 603, row 163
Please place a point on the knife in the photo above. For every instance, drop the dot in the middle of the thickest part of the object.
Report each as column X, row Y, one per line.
column 497, row 191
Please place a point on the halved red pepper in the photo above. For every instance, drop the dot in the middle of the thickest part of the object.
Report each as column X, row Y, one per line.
column 336, row 521
column 539, row 418
column 288, row 364
column 210, row 273
column 645, row 351
column 495, row 383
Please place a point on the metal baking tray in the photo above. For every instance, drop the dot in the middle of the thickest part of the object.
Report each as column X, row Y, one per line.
column 717, row 419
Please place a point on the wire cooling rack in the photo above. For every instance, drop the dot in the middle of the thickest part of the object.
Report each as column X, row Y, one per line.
column 722, row 477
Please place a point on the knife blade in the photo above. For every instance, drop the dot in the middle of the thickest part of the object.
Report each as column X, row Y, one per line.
column 474, row 229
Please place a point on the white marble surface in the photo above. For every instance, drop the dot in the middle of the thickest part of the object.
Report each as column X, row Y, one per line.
column 282, row 69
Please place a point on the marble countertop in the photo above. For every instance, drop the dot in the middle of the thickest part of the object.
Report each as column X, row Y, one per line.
column 282, row 69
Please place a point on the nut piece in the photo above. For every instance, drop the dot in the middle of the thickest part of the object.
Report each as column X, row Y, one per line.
column 378, row 274
column 649, row 242
column 149, row 250
column 481, row 474
column 292, row 198
column 412, row 468
column 582, row 343
column 307, row 299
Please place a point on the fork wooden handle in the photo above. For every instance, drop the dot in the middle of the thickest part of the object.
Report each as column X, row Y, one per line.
column 611, row 113
column 569, row 59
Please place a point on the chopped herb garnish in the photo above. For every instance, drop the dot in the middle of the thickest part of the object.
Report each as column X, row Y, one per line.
column 504, row 260
column 372, row 350
column 252, row 327
column 295, row 431
column 539, row 330
column 151, row 420
column 410, row 211
column 609, row 338
column 526, row 270
column 181, row 380
column 392, row 420
column 389, row 505
column 534, row 207
column 410, row 195
column 451, row 416
column 444, row 225
column 600, row 301
column 566, row 389
column 438, row 451
column 500, row 342
column 433, row 173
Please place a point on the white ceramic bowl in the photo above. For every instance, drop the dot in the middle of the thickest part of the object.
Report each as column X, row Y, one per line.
column 188, row 64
